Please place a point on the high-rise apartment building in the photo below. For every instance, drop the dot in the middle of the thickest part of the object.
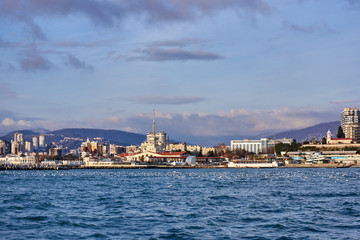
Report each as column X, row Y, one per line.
column 35, row 140
column 350, row 123
column 18, row 137
column 2, row 147
column 42, row 141
column 29, row 147
column 17, row 145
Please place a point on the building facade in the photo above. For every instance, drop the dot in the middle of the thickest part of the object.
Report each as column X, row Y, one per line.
column 2, row 147
column 350, row 123
column 29, row 147
column 35, row 140
column 155, row 142
column 17, row 145
column 264, row 145
column 42, row 141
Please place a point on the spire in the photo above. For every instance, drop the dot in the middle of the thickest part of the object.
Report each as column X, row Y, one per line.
column 154, row 122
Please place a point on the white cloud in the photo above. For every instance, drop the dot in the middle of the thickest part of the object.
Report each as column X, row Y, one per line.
column 239, row 122
column 8, row 122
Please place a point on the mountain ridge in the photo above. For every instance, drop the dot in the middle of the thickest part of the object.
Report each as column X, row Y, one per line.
column 124, row 138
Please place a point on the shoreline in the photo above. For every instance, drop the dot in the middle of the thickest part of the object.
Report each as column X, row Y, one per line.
column 57, row 168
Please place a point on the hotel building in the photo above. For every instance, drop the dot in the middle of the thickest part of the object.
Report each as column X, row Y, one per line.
column 350, row 123
column 264, row 145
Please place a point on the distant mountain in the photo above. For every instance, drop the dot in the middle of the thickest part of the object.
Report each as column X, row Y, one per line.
column 77, row 135
column 40, row 130
column 112, row 136
column 28, row 134
column 318, row 131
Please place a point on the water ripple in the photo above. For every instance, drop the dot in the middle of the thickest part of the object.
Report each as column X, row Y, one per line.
column 181, row 204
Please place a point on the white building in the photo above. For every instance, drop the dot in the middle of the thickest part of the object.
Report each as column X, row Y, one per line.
column 29, row 147
column 254, row 146
column 350, row 123
column 17, row 145
column 18, row 160
column 42, row 141
column 193, row 149
column 264, row 145
column 155, row 142
column 35, row 140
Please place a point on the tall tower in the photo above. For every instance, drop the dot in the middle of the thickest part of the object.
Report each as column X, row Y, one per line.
column 350, row 123
column 35, row 140
column 42, row 141
column 328, row 136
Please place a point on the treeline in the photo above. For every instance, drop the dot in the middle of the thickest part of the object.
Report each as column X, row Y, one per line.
column 283, row 147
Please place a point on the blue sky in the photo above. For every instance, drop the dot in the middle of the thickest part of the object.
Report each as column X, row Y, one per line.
column 208, row 67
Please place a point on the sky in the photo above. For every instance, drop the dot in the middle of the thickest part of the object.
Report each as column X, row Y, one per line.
column 209, row 68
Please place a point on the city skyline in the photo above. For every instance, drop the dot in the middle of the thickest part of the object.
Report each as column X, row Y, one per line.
column 209, row 68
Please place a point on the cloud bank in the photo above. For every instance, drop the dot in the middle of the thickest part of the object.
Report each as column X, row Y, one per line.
column 182, row 125
column 172, row 100
column 107, row 12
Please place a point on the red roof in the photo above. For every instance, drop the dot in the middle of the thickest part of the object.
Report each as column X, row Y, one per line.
column 172, row 153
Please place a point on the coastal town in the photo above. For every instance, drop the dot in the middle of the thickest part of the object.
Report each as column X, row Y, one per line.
column 157, row 151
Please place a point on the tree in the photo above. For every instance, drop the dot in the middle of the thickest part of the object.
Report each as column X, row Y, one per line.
column 340, row 133
column 284, row 147
column 323, row 140
column 210, row 154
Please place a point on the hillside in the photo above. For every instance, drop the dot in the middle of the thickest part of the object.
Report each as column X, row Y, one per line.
column 112, row 136
column 318, row 131
column 77, row 135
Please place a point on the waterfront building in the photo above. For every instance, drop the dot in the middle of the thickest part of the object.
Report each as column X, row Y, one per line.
column 330, row 140
column 350, row 123
column 264, row 145
column 35, row 140
column 324, row 156
column 254, row 146
column 176, row 147
column 115, row 149
column 93, row 148
column 2, row 147
column 155, row 142
column 132, row 149
column 18, row 160
column 159, row 157
column 206, row 150
column 193, row 149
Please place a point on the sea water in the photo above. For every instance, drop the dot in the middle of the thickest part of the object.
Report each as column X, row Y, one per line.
column 180, row 204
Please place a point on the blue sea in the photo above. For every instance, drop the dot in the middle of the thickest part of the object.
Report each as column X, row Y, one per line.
column 180, row 204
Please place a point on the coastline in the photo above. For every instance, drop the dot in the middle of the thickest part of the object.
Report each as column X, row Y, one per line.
column 57, row 168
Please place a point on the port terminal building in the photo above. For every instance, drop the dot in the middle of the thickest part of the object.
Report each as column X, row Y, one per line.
column 264, row 145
